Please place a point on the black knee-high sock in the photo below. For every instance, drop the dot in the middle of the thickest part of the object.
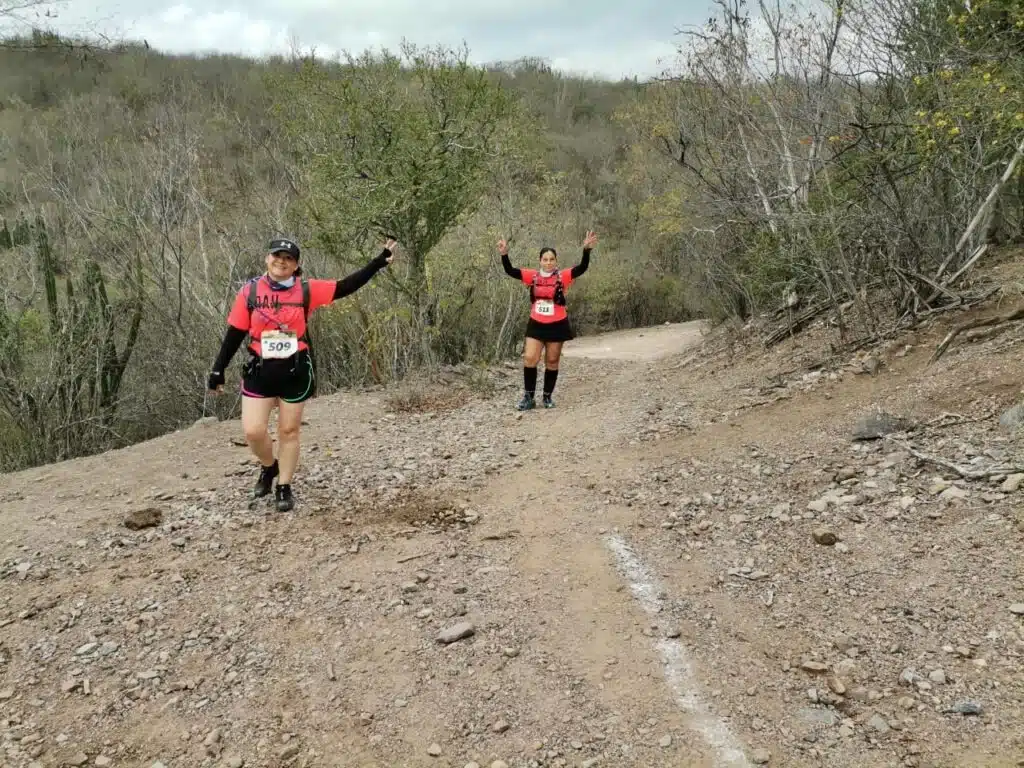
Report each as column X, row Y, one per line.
column 550, row 377
column 530, row 379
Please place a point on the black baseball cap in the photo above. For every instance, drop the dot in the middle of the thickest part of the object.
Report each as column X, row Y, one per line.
column 283, row 244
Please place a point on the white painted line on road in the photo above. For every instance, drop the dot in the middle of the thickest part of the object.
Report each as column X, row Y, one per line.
column 678, row 670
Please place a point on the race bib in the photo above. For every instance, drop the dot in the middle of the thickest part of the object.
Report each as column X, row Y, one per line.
column 545, row 308
column 276, row 345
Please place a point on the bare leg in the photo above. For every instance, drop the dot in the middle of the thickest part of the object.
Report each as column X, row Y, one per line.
column 255, row 418
column 552, row 355
column 531, row 353
column 289, row 420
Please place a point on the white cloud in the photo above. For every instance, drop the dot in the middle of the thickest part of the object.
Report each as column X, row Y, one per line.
column 641, row 58
column 181, row 29
column 611, row 38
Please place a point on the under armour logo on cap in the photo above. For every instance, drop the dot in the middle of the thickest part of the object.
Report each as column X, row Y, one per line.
column 285, row 245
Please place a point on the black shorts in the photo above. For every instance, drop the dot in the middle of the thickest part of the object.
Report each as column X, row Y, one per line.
column 557, row 331
column 291, row 380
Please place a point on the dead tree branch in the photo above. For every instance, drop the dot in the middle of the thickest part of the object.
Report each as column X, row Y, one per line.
column 964, row 472
column 978, row 216
column 1017, row 314
column 798, row 323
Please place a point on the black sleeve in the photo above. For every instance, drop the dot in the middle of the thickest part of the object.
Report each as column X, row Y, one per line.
column 359, row 278
column 232, row 340
column 509, row 269
column 580, row 268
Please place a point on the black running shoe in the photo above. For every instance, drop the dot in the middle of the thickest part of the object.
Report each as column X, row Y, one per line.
column 548, row 402
column 283, row 498
column 266, row 480
column 526, row 403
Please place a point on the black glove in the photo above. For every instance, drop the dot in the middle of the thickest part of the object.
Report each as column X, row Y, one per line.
column 216, row 380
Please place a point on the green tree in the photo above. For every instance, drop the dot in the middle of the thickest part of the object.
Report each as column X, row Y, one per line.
column 969, row 105
column 396, row 145
column 971, row 89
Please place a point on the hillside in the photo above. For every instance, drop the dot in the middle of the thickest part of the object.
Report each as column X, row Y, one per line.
column 156, row 181
column 689, row 562
column 138, row 192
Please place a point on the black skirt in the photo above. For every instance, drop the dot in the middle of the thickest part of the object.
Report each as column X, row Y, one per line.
column 559, row 330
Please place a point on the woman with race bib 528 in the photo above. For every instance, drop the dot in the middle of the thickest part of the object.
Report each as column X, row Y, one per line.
column 548, row 327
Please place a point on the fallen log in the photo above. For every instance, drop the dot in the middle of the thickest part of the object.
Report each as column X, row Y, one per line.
column 798, row 323
column 1017, row 314
column 965, row 472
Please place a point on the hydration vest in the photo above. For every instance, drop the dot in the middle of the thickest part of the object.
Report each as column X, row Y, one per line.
column 252, row 302
column 559, row 297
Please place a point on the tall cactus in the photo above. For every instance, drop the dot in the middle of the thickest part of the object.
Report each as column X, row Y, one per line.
column 22, row 234
column 49, row 271
column 84, row 335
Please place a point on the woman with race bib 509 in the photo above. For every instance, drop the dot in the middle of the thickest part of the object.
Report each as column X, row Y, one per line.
column 273, row 309
column 548, row 327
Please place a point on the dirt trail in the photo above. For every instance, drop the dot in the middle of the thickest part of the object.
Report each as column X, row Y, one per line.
column 645, row 344
column 641, row 587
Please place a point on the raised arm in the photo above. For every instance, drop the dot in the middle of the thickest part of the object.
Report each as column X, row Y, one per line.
column 588, row 243
column 580, row 268
column 511, row 271
column 352, row 283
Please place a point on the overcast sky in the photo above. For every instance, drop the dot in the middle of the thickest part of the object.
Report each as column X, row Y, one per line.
column 610, row 38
